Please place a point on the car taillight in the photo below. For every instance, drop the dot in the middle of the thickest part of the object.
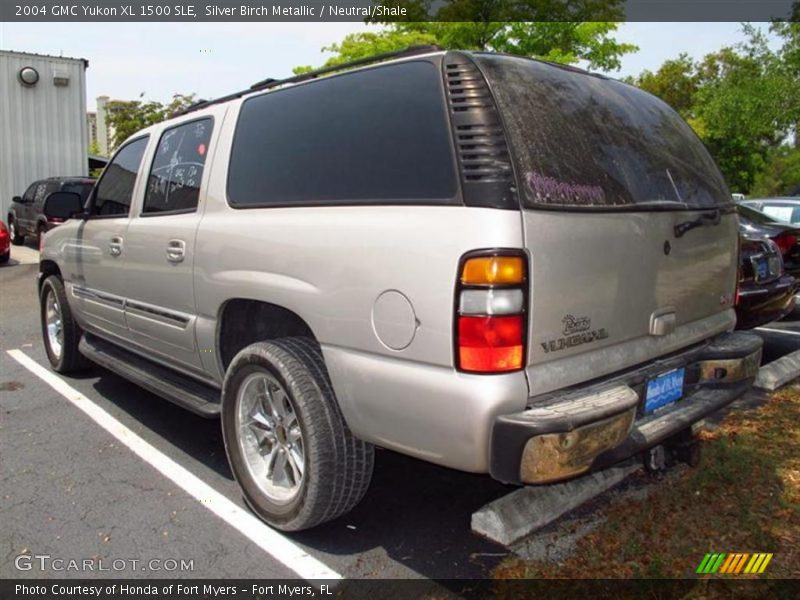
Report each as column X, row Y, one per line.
column 785, row 242
column 491, row 312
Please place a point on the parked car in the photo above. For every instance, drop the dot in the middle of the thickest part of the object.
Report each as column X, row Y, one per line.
column 5, row 243
column 786, row 209
column 25, row 217
column 766, row 291
column 484, row 261
column 756, row 224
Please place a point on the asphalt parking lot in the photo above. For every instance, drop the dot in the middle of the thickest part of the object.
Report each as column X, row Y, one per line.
column 71, row 490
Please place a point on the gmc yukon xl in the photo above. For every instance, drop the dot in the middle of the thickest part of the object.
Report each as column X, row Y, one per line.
column 483, row 261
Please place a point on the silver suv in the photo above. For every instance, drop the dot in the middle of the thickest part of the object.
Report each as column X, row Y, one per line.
column 487, row 262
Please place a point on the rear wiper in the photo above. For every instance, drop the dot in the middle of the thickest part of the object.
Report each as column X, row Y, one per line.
column 706, row 219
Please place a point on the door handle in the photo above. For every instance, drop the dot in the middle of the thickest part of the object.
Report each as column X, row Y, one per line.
column 115, row 246
column 176, row 250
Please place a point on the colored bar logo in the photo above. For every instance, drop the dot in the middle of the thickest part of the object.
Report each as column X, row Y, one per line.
column 737, row 563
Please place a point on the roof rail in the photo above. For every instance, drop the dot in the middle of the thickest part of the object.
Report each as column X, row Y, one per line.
column 271, row 83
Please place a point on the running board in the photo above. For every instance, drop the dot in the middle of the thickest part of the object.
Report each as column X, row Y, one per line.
column 182, row 390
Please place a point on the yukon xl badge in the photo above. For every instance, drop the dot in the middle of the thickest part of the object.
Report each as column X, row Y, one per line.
column 577, row 331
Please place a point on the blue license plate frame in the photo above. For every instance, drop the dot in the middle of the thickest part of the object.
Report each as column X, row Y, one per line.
column 664, row 389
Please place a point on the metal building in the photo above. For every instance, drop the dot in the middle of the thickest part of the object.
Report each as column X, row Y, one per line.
column 43, row 131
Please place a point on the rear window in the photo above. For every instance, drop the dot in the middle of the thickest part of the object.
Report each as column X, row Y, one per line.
column 581, row 140
column 378, row 135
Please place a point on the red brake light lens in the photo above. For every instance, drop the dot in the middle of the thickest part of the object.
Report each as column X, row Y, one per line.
column 785, row 242
column 490, row 344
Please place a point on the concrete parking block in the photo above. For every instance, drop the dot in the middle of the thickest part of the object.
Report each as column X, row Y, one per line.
column 779, row 372
column 516, row 515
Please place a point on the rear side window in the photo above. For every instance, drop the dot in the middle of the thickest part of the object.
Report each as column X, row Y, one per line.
column 115, row 190
column 379, row 135
column 581, row 140
column 174, row 182
column 80, row 188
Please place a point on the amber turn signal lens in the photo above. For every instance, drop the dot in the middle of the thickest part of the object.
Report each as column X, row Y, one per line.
column 489, row 270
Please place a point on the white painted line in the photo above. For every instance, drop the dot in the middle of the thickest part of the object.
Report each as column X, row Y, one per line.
column 785, row 332
column 273, row 543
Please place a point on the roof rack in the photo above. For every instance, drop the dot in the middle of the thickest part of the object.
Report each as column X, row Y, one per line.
column 269, row 83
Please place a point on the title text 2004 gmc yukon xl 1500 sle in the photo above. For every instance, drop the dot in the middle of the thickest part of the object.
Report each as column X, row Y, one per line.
column 483, row 261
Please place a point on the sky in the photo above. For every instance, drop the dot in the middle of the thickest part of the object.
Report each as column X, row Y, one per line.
column 213, row 59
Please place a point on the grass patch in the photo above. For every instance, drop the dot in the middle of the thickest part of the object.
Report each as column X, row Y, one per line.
column 744, row 497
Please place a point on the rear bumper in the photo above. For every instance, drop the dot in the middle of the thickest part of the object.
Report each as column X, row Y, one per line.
column 761, row 304
column 563, row 435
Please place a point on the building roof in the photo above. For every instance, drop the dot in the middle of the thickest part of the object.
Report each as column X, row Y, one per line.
column 19, row 52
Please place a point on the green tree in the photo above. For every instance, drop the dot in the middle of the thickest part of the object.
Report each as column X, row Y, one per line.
column 743, row 101
column 126, row 117
column 572, row 31
column 676, row 82
column 780, row 175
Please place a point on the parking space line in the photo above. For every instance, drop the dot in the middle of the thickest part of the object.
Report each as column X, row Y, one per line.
column 778, row 331
column 273, row 543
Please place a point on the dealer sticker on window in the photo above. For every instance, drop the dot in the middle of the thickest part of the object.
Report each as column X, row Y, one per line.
column 664, row 389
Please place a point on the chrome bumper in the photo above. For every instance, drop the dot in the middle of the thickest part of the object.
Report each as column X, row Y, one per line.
column 563, row 435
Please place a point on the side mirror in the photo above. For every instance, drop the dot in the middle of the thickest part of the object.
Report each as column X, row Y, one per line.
column 17, row 199
column 60, row 206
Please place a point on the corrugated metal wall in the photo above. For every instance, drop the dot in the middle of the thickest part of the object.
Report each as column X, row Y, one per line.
column 43, row 127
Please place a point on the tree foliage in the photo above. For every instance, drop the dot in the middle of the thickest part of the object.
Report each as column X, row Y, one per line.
column 743, row 101
column 126, row 117
column 564, row 32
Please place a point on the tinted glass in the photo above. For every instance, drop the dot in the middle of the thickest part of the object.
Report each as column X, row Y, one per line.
column 580, row 140
column 115, row 189
column 30, row 192
column 368, row 136
column 41, row 192
column 82, row 188
column 174, row 182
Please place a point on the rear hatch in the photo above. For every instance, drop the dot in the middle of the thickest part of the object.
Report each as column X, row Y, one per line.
column 629, row 225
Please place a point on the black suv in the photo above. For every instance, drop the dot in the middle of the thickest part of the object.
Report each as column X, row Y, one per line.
column 25, row 217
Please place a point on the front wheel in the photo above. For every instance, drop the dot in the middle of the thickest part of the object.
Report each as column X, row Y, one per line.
column 60, row 331
column 16, row 237
column 289, row 448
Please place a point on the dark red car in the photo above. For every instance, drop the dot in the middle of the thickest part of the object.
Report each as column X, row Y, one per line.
column 765, row 292
column 5, row 243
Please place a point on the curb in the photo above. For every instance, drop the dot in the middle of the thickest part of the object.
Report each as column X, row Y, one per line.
column 516, row 515
column 778, row 372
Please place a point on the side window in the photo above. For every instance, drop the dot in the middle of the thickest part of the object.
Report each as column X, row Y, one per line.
column 174, row 182
column 365, row 137
column 40, row 193
column 30, row 193
column 115, row 190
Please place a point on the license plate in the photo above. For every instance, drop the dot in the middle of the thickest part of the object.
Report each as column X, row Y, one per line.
column 762, row 268
column 664, row 389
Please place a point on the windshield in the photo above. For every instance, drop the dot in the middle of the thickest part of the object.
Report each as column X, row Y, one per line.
column 583, row 140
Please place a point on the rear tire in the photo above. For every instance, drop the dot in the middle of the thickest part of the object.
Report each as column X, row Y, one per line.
column 289, row 448
column 4, row 257
column 16, row 237
column 60, row 332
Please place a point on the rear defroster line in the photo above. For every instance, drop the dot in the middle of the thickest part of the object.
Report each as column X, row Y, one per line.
column 270, row 541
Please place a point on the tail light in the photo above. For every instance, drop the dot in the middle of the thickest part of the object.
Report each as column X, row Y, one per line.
column 785, row 242
column 491, row 320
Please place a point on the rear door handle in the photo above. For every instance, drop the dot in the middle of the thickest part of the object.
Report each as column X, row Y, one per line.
column 115, row 246
column 176, row 250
